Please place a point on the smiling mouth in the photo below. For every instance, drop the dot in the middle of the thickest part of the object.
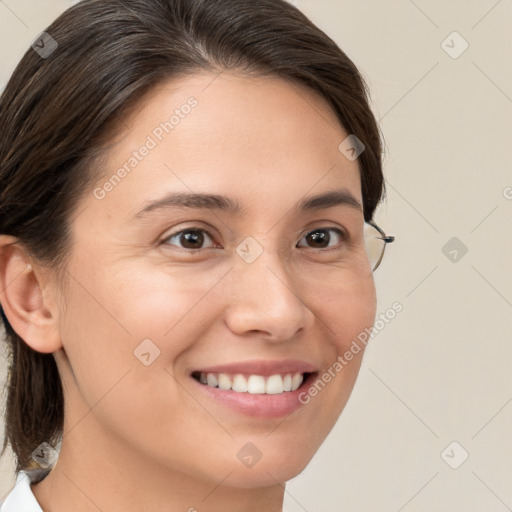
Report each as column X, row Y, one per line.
column 254, row 384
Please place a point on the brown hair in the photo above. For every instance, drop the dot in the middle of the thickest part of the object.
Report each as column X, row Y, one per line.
column 58, row 111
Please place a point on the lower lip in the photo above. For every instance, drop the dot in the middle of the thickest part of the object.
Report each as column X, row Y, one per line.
column 258, row 405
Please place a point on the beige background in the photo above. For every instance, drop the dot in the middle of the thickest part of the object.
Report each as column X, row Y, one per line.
column 440, row 371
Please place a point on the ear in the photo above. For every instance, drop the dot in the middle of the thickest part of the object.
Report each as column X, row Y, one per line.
column 22, row 295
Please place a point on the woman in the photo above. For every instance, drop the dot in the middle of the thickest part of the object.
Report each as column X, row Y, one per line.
column 186, row 251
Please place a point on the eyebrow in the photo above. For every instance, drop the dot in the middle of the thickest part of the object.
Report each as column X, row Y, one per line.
column 200, row 201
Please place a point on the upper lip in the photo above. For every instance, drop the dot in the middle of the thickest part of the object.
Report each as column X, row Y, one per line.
column 262, row 367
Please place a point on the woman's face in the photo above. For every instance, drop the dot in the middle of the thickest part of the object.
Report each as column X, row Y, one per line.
column 142, row 311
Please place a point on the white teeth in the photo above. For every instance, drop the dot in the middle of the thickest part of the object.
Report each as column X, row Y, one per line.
column 239, row 384
column 211, row 380
column 254, row 384
column 297, row 381
column 224, row 381
column 274, row 385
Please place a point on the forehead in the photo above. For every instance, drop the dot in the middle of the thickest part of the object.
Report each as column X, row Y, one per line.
column 262, row 138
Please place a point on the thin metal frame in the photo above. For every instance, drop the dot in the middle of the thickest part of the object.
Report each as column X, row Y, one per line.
column 387, row 240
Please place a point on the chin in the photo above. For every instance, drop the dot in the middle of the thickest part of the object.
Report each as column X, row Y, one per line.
column 274, row 468
column 265, row 476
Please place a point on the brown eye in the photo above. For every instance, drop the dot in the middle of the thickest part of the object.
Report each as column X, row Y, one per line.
column 191, row 239
column 321, row 238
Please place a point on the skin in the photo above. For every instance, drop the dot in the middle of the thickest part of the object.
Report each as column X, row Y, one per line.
column 142, row 437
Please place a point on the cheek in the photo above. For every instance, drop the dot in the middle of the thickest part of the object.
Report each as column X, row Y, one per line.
column 349, row 318
column 117, row 322
column 104, row 325
column 349, row 310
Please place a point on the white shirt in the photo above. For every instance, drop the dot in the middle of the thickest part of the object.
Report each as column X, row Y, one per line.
column 21, row 498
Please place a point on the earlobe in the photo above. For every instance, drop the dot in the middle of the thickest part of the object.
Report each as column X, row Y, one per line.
column 25, row 305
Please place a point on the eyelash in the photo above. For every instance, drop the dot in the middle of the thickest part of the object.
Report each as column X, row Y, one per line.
column 341, row 233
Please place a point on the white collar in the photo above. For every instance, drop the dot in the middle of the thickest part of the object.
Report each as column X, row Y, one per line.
column 21, row 497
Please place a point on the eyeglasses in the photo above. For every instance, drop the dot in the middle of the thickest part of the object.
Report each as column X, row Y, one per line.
column 375, row 241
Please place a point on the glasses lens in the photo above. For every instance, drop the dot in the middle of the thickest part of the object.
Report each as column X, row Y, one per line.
column 374, row 245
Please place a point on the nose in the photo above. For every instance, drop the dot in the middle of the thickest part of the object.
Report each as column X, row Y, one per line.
column 266, row 299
